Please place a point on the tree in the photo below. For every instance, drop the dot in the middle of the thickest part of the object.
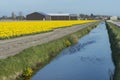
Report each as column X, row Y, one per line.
column 13, row 16
column 92, row 15
column 21, row 16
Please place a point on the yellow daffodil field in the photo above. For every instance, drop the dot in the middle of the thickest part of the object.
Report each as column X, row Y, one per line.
column 18, row 28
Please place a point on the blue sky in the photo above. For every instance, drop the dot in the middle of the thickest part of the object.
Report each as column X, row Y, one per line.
column 105, row 7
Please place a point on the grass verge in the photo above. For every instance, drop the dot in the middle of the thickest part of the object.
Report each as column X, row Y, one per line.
column 114, row 35
column 35, row 57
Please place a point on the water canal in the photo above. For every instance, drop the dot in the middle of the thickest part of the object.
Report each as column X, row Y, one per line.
column 90, row 59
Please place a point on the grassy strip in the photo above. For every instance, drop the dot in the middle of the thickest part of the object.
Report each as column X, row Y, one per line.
column 114, row 34
column 116, row 20
column 35, row 57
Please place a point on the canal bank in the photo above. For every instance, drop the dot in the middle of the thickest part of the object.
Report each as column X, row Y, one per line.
column 90, row 59
column 36, row 57
column 114, row 33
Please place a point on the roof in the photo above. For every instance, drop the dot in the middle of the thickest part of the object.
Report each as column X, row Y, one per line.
column 38, row 13
column 54, row 14
column 73, row 15
column 58, row 14
column 43, row 13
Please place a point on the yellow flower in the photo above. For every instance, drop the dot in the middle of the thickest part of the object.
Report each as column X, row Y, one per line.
column 13, row 29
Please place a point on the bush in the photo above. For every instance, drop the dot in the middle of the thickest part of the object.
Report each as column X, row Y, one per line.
column 67, row 43
column 74, row 39
column 27, row 73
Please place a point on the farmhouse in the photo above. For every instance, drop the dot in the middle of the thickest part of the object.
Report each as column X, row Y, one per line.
column 61, row 16
column 73, row 17
column 36, row 16
column 114, row 18
column 58, row 16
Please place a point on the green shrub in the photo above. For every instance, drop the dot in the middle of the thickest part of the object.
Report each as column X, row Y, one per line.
column 67, row 43
column 74, row 39
column 27, row 73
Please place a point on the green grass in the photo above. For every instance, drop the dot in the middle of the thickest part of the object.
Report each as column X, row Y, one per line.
column 114, row 34
column 116, row 20
column 35, row 57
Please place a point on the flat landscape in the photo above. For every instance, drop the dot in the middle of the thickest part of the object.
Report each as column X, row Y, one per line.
column 10, row 47
column 59, row 40
column 16, row 45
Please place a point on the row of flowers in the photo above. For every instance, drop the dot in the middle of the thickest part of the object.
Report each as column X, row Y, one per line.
column 13, row 29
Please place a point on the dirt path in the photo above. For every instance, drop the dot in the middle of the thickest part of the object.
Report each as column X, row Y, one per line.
column 16, row 45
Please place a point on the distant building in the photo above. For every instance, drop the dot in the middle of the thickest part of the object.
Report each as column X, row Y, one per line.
column 58, row 16
column 61, row 16
column 73, row 17
column 3, row 18
column 93, row 17
column 84, row 17
column 36, row 16
column 114, row 18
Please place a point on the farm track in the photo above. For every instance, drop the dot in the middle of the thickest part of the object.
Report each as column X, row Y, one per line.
column 14, row 46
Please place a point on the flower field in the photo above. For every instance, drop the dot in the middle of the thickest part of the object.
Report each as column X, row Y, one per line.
column 19, row 28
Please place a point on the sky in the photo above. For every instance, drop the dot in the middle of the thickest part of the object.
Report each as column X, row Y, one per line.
column 100, row 7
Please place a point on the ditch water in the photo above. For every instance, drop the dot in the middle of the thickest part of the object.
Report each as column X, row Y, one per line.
column 90, row 59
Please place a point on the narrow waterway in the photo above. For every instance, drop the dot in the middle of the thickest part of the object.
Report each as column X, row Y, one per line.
column 90, row 59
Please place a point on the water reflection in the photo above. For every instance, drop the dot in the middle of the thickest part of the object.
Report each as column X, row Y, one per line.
column 94, row 59
column 90, row 59
column 74, row 49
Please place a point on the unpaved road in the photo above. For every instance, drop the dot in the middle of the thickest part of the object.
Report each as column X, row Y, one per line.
column 14, row 46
